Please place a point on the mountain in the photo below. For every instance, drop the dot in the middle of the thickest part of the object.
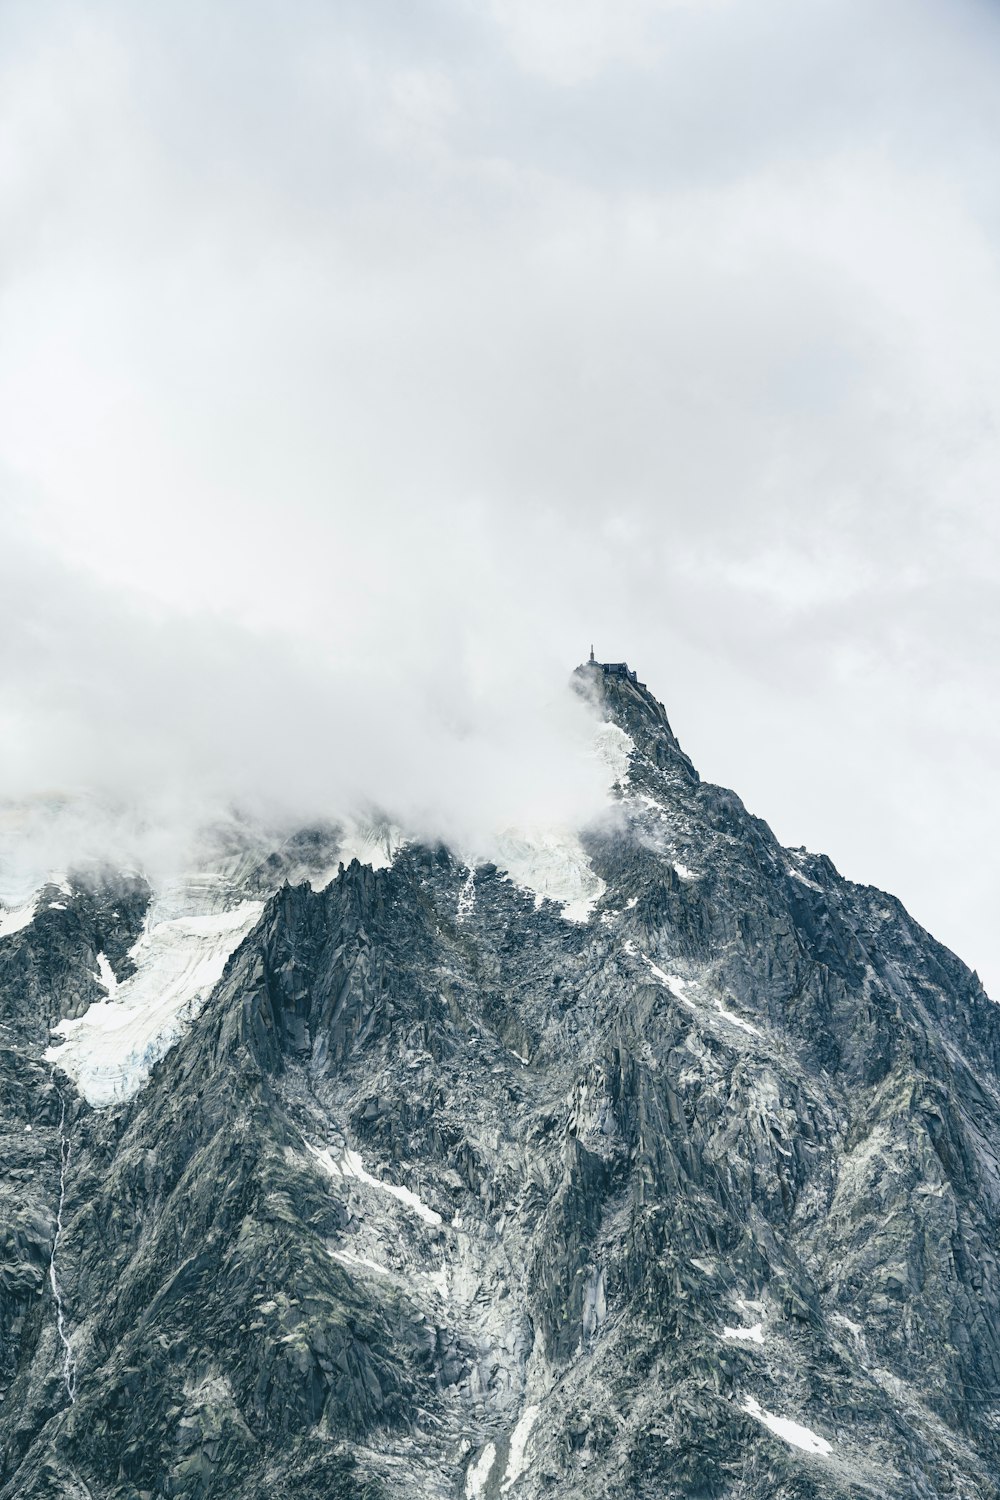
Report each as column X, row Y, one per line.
column 662, row 1163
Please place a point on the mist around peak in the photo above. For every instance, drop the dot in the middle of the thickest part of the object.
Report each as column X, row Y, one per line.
column 139, row 738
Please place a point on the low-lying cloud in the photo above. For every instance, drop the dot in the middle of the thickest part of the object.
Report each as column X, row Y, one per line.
column 142, row 729
column 359, row 366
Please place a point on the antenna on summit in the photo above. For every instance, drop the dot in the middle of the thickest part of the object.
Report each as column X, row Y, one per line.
column 592, row 651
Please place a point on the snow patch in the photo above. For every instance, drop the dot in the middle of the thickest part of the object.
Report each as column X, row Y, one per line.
column 614, row 748
column 661, row 974
column 479, row 1473
column 551, row 864
column 783, row 1427
column 649, row 802
column 21, row 916
column 754, row 1335
column 734, row 1020
column 677, row 986
column 349, row 1164
column 673, row 982
column 375, row 843
column 69, row 1359
column 797, row 874
column 684, row 872
column 467, row 895
column 105, row 974
column 110, row 1051
column 855, row 1329
column 518, row 1442
column 347, row 1259
column 749, row 1304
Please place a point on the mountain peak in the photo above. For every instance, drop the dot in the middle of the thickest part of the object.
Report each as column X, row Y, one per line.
column 691, row 1190
column 618, row 695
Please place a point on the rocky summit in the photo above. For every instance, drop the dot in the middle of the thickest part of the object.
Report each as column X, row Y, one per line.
column 346, row 1167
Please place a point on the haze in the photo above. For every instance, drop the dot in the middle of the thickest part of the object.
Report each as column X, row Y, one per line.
column 360, row 364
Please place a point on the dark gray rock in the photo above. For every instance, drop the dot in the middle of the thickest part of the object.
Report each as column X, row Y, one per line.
column 438, row 1199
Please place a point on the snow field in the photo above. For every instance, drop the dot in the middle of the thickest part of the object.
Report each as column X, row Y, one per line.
column 478, row 1475
column 551, row 864
column 110, row 1051
column 370, row 843
column 13, row 921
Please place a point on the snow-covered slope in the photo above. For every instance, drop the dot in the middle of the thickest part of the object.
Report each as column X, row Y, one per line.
column 550, row 862
column 552, row 865
column 12, row 921
column 109, row 1051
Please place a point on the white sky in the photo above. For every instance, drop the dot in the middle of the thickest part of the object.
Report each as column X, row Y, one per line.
column 360, row 363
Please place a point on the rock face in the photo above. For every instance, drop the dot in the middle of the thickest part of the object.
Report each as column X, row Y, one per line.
column 442, row 1194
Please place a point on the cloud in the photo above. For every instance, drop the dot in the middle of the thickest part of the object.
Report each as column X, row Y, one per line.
column 569, row 42
column 158, row 724
column 358, row 368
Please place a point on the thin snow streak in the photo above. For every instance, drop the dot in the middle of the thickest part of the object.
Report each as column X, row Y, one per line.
column 69, row 1359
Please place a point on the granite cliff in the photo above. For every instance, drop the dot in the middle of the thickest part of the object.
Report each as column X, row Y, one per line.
column 411, row 1181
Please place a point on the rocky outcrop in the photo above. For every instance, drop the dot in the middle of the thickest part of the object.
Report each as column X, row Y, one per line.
column 442, row 1194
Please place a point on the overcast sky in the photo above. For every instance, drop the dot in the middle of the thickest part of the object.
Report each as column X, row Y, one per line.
column 361, row 363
